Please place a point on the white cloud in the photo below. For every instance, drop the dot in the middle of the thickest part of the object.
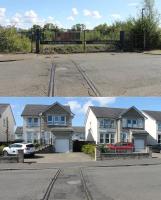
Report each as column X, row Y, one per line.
column 70, row 18
column 31, row 16
column 104, row 101
column 92, row 13
column 76, row 107
column 75, row 11
column 116, row 16
column 2, row 12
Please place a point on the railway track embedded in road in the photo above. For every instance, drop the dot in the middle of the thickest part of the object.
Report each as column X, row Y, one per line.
column 89, row 82
column 51, row 188
column 51, row 91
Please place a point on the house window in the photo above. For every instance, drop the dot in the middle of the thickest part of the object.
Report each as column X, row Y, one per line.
column 106, row 123
column 112, row 138
column 159, row 126
column 124, row 137
column 29, row 121
column 107, row 138
column 159, row 139
column 129, row 123
column 50, row 120
column 36, row 121
column 101, row 138
column 56, row 120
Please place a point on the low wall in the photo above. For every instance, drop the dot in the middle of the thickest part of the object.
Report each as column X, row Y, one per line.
column 19, row 158
column 133, row 155
column 9, row 159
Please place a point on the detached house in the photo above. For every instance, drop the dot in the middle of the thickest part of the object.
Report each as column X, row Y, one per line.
column 49, row 125
column 7, row 123
column 111, row 125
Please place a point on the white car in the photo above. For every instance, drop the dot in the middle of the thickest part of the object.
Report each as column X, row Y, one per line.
column 12, row 149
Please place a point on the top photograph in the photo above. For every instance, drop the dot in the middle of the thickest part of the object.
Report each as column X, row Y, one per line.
column 80, row 48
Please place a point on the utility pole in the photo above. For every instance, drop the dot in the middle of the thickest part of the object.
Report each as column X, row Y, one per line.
column 143, row 25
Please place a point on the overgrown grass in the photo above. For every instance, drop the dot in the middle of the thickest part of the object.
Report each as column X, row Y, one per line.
column 68, row 49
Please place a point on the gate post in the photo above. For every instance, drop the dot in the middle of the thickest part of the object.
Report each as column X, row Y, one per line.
column 122, row 39
column 84, row 40
column 37, row 40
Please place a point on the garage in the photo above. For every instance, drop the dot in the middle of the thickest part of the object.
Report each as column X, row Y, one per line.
column 139, row 145
column 62, row 145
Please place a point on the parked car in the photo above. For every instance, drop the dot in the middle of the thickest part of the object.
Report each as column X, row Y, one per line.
column 156, row 148
column 12, row 149
column 121, row 147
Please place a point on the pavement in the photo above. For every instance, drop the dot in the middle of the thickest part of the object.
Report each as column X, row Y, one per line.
column 112, row 74
column 112, row 179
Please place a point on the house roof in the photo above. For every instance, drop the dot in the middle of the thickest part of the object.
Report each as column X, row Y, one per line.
column 101, row 112
column 79, row 129
column 3, row 107
column 19, row 130
column 154, row 114
column 35, row 110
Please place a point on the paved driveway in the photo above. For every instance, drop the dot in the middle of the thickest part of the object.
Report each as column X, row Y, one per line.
column 59, row 158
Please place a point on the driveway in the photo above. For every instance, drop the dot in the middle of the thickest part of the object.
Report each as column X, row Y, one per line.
column 59, row 158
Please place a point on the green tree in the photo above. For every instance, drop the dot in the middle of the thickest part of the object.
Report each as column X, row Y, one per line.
column 78, row 27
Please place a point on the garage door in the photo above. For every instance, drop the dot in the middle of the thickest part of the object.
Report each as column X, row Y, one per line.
column 139, row 145
column 62, row 145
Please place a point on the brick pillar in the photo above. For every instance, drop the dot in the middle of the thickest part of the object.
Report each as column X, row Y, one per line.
column 97, row 154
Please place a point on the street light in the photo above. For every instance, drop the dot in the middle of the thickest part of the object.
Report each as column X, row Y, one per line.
column 143, row 25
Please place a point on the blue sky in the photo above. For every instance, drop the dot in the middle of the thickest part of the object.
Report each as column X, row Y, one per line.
column 80, row 105
column 67, row 12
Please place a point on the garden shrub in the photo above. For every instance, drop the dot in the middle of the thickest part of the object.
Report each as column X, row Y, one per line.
column 89, row 149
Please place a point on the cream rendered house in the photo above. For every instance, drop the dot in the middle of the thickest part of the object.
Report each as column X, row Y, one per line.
column 48, row 124
column 7, row 123
column 111, row 125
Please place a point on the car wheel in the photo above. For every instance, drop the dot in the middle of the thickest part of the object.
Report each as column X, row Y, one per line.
column 5, row 153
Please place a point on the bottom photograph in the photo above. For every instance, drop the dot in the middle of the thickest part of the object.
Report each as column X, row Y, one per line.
column 80, row 148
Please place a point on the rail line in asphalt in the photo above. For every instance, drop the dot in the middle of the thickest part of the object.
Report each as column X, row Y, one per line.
column 90, row 83
column 51, row 91
column 54, row 181
column 50, row 187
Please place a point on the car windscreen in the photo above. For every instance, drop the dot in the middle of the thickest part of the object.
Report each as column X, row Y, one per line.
column 30, row 145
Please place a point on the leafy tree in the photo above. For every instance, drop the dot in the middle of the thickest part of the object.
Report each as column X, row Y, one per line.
column 78, row 27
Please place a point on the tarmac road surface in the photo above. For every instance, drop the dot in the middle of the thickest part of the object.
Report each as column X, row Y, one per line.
column 95, row 74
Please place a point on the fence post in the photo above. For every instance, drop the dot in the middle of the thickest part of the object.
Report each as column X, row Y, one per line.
column 37, row 40
column 84, row 40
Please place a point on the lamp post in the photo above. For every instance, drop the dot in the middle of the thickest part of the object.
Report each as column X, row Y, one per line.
column 143, row 25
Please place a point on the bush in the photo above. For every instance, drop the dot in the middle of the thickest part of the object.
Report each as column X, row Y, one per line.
column 1, row 149
column 12, row 41
column 89, row 149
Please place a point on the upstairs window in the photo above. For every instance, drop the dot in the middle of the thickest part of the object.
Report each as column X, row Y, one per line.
column 56, row 120
column 106, row 123
column 159, row 126
column 133, row 123
column 32, row 122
